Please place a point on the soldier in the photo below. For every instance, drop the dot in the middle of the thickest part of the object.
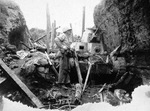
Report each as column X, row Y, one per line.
column 63, row 42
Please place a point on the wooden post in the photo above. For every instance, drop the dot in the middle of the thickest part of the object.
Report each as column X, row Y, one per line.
column 72, row 33
column 53, row 34
column 48, row 27
column 55, row 28
column 83, row 21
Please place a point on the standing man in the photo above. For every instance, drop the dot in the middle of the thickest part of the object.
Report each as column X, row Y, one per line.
column 63, row 42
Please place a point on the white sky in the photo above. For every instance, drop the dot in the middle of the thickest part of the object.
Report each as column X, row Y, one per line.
column 63, row 11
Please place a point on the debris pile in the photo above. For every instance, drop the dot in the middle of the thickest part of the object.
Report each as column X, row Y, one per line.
column 140, row 95
column 37, row 73
column 8, row 54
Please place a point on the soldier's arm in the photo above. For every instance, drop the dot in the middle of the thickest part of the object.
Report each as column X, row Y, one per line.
column 59, row 42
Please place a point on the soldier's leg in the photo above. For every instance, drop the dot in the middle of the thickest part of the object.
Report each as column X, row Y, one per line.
column 61, row 72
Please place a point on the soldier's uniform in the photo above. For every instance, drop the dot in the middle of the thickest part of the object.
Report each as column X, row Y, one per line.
column 63, row 42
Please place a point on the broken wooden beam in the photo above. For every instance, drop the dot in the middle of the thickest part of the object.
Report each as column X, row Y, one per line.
column 2, row 79
column 23, row 87
column 87, row 76
column 40, row 38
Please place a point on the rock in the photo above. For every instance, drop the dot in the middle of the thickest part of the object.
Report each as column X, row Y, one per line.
column 42, row 62
column 119, row 65
column 11, row 48
column 124, row 22
column 41, row 69
column 13, row 29
column 29, row 67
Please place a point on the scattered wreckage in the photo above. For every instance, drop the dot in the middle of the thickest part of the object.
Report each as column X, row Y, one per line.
column 35, row 72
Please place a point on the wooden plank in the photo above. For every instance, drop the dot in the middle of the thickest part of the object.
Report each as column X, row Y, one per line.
column 24, row 88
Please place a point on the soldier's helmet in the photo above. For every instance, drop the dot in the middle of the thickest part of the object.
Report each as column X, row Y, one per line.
column 65, row 29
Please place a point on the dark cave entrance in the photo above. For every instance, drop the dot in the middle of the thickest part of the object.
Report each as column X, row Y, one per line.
column 16, row 36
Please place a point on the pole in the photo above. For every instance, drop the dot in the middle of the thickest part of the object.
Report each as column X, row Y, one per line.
column 71, row 33
column 55, row 28
column 83, row 20
column 53, row 34
column 48, row 27
column 87, row 76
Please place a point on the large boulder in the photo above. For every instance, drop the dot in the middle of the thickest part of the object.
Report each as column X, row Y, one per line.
column 13, row 29
column 126, row 23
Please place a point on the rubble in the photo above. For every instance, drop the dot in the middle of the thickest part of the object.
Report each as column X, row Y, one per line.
column 36, row 72
column 140, row 96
